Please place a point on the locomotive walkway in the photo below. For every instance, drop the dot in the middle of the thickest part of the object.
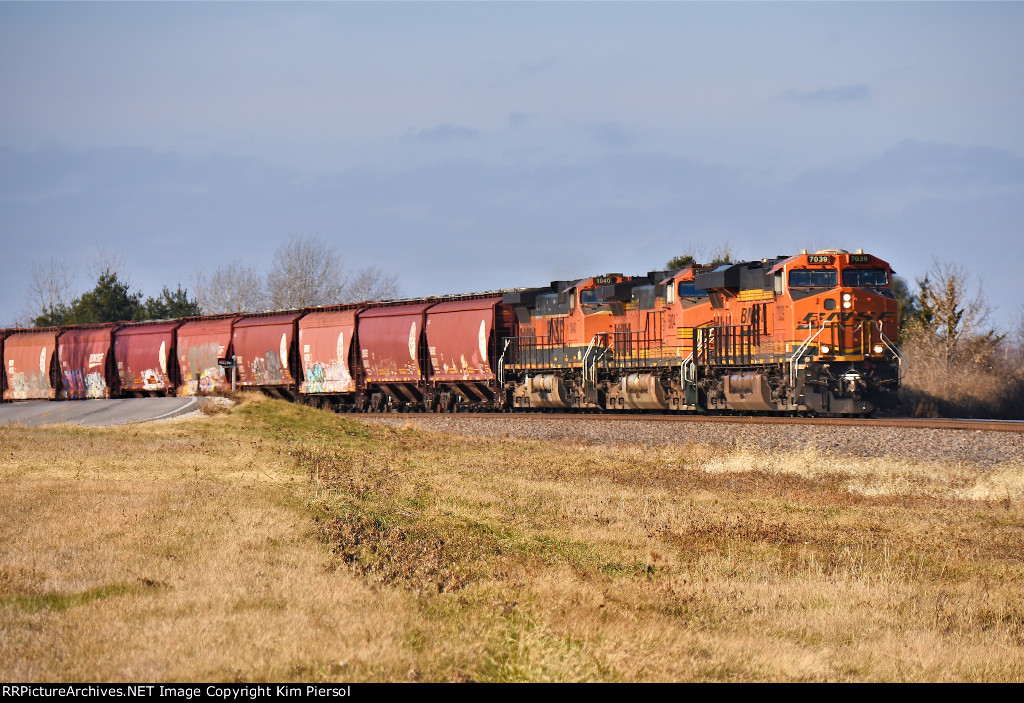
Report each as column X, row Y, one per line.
column 94, row 413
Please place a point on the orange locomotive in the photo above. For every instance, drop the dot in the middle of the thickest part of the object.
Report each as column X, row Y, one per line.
column 808, row 333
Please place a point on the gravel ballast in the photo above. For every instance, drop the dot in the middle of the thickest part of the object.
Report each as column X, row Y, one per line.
column 975, row 447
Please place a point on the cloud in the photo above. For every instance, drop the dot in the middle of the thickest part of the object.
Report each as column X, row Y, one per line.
column 505, row 75
column 914, row 168
column 519, row 119
column 447, row 224
column 442, row 134
column 612, row 135
column 841, row 94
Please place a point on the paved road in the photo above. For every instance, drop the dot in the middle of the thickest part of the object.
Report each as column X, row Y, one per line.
column 94, row 413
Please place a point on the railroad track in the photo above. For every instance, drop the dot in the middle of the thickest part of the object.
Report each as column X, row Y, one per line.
column 899, row 422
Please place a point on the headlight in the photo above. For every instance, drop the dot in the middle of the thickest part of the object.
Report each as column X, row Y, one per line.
column 825, row 349
column 879, row 348
column 847, row 296
column 847, row 304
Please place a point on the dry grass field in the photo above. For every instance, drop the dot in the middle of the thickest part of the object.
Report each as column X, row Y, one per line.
column 275, row 542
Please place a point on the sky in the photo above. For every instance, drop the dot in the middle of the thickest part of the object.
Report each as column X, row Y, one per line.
column 482, row 145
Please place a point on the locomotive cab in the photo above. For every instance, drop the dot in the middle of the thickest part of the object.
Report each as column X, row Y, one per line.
column 562, row 331
column 839, row 326
column 842, row 304
column 806, row 333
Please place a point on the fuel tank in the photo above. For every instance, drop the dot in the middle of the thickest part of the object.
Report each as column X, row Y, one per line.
column 749, row 391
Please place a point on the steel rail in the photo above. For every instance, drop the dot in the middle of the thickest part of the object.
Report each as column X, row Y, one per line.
column 904, row 422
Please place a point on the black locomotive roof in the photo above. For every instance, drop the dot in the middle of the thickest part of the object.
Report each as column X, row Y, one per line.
column 744, row 275
column 725, row 276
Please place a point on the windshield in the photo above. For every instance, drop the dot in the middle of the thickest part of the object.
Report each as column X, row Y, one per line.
column 865, row 278
column 826, row 278
column 588, row 297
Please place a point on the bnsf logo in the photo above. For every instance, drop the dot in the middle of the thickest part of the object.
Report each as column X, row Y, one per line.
column 817, row 319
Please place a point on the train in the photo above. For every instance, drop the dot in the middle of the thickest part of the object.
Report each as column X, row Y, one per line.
column 806, row 334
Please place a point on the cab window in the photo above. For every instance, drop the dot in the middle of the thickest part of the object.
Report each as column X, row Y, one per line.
column 688, row 290
column 865, row 278
column 805, row 278
column 547, row 304
column 589, row 296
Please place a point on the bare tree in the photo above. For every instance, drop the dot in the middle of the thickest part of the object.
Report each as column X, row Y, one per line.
column 305, row 272
column 231, row 288
column 370, row 283
column 702, row 253
column 104, row 262
column 48, row 291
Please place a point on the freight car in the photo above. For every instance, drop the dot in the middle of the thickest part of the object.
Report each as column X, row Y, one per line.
column 435, row 354
column 809, row 333
column 30, row 364
column 144, row 354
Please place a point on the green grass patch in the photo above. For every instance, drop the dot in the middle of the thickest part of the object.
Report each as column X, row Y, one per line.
column 59, row 602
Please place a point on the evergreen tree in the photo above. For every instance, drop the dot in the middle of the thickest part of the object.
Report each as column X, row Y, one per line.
column 170, row 305
column 53, row 316
column 950, row 318
column 678, row 262
column 924, row 308
column 110, row 301
column 907, row 309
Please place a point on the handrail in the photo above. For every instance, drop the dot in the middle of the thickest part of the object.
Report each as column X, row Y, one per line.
column 587, row 363
column 527, row 348
column 586, row 358
column 691, row 362
column 688, row 365
column 894, row 350
column 727, row 344
column 800, row 352
column 702, row 339
column 501, row 362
